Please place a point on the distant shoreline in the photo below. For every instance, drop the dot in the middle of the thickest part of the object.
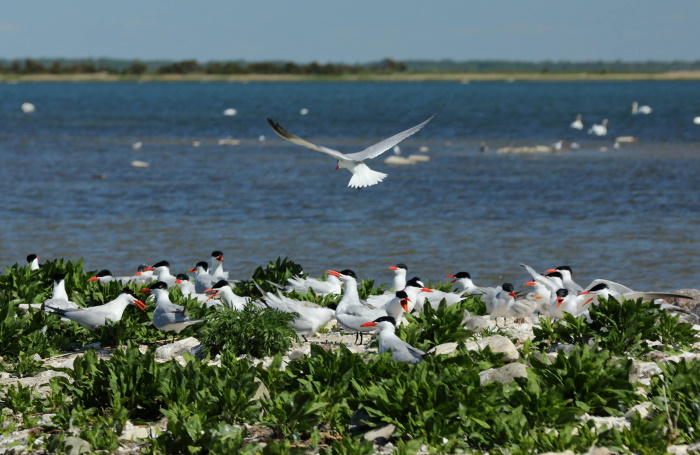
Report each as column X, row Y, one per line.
column 397, row 77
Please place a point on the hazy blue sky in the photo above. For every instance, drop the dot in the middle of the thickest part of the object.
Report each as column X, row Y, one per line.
column 352, row 31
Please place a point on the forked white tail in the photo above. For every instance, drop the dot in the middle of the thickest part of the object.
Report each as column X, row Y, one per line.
column 363, row 176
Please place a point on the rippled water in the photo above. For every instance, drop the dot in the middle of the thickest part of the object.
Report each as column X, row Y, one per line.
column 631, row 215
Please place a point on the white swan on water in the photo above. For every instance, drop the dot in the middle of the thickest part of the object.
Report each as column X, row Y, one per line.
column 637, row 109
column 599, row 130
column 577, row 124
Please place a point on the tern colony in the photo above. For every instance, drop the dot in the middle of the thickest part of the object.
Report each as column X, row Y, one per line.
column 552, row 293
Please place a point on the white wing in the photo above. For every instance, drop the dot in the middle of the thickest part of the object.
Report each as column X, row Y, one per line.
column 381, row 147
column 284, row 134
column 549, row 284
column 615, row 288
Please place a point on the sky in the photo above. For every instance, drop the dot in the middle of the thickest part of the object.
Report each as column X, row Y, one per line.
column 356, row 31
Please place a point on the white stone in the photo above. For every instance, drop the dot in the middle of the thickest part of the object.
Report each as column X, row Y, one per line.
column 505, row 374
column 384, row 432
column 177, row 348
column 497, row 343
column 642, row 409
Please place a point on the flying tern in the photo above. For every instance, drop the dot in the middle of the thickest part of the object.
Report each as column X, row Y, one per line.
column 362, row 175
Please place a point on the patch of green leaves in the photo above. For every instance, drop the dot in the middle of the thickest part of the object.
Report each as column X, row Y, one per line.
column 256, row 331
column 279, row 272
column 676, row 395
column 436, row 326
column 585, row 380
column 620, row 327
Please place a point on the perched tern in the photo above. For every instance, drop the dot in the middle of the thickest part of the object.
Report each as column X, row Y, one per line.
column 332, row 286
column 564, row 301
column 183, row 283
column 607, row 289
column 503, row 302
column 33, row 261
column 168, row 317
column 362, row 175
column 203, row 280
column 566, row 278
column 399, row 283
column 162, row 269
column 222, row 289
column 105, row 276
column 59, row 297
column 311, row 317
column 217, row 266
column 93, row 317
column 388, row 341
column 350, row 312
column 463, row 280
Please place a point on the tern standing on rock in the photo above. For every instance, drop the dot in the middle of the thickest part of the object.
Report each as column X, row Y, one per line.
column 362, row 175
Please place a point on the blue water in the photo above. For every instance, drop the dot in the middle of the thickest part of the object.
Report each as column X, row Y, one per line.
column 631, row 215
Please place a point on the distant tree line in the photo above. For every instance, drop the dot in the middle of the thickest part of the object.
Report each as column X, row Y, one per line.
column 30, row 66
column 136, row 67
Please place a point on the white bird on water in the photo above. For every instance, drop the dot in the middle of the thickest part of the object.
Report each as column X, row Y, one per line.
column 637, row 109
column 599, row 129
column 577, row 124
column 362, row 175
column 28, row 108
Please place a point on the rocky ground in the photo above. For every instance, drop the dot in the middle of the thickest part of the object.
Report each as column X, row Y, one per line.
column 512, row 336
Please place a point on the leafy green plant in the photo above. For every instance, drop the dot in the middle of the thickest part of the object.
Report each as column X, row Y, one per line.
column 436, row 326
column 644, row 436
column 585, row 380
column 293, row 414
column 675, row 394
column 255, row 331
column 621, row 327
column 277, row 272
column 22, row 399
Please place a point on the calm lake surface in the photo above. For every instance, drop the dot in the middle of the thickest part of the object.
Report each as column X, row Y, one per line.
column 631, row 215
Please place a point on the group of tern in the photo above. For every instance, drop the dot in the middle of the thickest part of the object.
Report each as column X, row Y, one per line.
column 554, row 293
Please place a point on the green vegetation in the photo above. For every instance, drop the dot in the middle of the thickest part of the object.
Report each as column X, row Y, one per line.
column 385, row 66
column 623, row 328
column 259, row 332
column 326, row 401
